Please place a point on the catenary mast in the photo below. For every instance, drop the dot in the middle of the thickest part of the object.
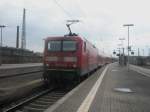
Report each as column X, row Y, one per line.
column 23, row 39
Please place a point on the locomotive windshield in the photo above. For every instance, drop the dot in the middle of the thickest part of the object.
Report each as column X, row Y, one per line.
column 54, row 45
column 65, row 45
column 69, row 45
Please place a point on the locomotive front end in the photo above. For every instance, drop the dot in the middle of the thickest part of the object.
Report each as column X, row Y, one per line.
column 61, row 60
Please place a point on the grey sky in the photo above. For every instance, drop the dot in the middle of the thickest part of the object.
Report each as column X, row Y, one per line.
column 101, row 21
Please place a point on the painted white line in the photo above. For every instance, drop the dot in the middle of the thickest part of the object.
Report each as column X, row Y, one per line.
column 90, row 97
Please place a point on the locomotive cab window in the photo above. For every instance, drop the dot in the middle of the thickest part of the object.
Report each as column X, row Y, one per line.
column 54, row 45
column 69, row 45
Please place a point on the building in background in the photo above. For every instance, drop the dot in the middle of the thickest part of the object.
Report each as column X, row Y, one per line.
column 19, row 55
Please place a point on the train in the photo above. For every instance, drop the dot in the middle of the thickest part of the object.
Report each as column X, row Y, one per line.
column 69, row 58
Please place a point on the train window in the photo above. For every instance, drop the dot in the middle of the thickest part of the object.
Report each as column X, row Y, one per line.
column 54, row 45
column 84, row 46
column 69, row 46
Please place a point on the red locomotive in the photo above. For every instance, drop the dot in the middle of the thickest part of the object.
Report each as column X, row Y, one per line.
column 70, row 57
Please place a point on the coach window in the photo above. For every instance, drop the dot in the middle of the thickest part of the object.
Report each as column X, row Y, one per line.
column 84, row 46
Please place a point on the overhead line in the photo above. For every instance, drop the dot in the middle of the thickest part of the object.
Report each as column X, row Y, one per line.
column 66, row 12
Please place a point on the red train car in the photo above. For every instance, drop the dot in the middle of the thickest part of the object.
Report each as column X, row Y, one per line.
column 69, row 57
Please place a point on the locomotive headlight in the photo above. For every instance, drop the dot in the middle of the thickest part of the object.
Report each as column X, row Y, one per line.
column 46, row 65
column 50, row 58
column 70, row 59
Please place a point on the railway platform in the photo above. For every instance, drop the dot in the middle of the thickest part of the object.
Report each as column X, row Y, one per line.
column 17, row 79
column 14, row 69
column 9, row 66
column 110, row 89
column 13, row 76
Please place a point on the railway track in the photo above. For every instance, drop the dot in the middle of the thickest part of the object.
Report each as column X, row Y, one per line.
column 38, row 102
column 20, row 74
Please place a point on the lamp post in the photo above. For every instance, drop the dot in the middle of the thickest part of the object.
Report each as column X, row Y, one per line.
column 128, row 25
column 1, row 43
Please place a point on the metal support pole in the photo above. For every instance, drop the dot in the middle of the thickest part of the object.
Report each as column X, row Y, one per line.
column 1, row 43
column 1, row 49
column 1, row 37
column 138, row 52
column 17, row 38
column 128, row 49
column 119, row 56
column 123, row 56
column 128, row 25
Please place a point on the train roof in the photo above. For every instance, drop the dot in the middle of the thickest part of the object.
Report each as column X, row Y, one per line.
column 63, row 37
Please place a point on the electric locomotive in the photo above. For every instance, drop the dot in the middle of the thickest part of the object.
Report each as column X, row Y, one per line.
column 69, row 57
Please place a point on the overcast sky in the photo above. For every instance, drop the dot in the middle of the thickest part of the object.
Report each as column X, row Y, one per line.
column 101, row 21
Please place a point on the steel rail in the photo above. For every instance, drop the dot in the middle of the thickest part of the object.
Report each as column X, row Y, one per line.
column 15, row 107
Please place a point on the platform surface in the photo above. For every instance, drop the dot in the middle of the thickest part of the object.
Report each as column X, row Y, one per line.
column 7, row 70
column 14, row 77
column 11, row 66
column 119, row 91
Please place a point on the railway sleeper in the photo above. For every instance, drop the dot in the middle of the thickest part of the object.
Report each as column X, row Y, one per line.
column 56, row 96
column 47, row 100
column 51, row 97
column 43, row 102
column 19, row 111
column 32, row 109
column 36, row 105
